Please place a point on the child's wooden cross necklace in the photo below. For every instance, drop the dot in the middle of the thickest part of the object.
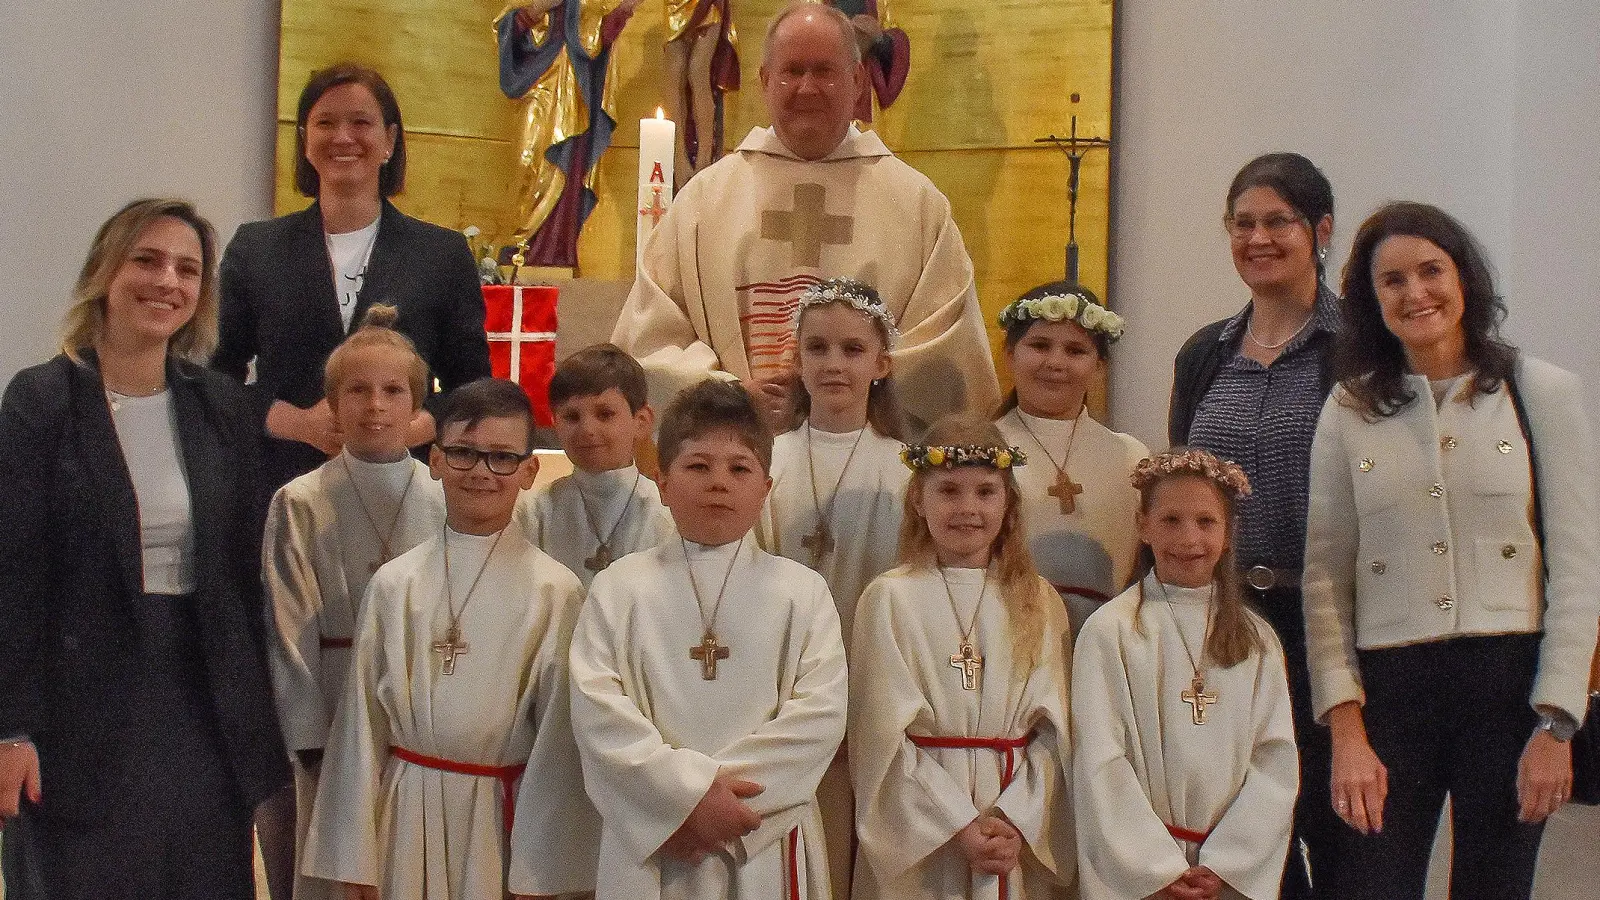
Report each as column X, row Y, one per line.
column 1065, row 490
column 966, row 657
column 1196, row 696
column 602, row 552
column 384, row 537
column 709, row 650
column 820, row 540
column 453, row 646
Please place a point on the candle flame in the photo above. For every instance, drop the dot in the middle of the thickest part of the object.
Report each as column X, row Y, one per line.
column 660, row 113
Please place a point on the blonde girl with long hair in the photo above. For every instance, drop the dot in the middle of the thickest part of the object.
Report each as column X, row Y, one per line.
column 1184, row 768
column 958, row 733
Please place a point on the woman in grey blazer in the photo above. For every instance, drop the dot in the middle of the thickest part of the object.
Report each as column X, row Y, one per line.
column 136, row 717
column 1451, row 559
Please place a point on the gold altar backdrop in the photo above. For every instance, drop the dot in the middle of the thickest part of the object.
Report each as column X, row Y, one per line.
column 987, row 77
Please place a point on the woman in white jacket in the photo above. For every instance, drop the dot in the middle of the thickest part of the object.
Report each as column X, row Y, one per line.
column 1451, row 558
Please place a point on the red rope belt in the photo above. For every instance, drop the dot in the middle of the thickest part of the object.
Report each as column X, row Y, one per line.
column 1184, row 834
column 794, row 864
column 1006, row 746
column 335, row 643
column 506, row 775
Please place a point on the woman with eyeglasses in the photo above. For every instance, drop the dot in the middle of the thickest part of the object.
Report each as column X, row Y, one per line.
column 1249, row 389
column 1451, row 564
column 136, row 716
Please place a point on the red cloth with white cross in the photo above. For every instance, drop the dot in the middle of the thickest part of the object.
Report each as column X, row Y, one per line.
column 521, row 325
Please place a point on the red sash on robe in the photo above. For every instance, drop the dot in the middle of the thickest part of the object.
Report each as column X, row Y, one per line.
column 506, row 775
column 1089, row 593
column 1006, row 746
column 1184, row 834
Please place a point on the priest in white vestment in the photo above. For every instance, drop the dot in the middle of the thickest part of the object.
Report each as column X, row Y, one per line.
column 416, row 830
column 807, row 199
column 1141, row 763
column 654, row 731
column 327, row 532
column 911, row 800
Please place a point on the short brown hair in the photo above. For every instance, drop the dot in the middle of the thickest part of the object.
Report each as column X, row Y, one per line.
column 486, row 398
column 86, row 317
column 595, row 370
column 709, row 406
column 377, row 330
column 392, row 175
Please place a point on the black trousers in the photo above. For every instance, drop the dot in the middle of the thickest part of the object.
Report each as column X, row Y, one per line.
column 1447, row 717
column 174, row 824
column 1315, row 824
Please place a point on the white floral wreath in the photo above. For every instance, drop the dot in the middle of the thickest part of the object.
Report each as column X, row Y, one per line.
column 855, row 294
column 1064, row 307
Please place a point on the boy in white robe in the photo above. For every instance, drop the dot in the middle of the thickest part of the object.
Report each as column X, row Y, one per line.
column 1185, row 770
column 959, row 732
column 606, row 508
column 330, row 529
column 458, row 690
column 708, row 684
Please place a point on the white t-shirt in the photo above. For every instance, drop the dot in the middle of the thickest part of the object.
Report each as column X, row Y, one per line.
column 349, row 253
column 147, row 431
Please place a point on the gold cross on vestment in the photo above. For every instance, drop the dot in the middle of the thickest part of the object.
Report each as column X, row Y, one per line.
column 706, row 653
column 449, row 648
column 601, row 558
column 970, row 665
column 819, row 542
column 807, row 227
column 1066, row 490
column 1198, row 698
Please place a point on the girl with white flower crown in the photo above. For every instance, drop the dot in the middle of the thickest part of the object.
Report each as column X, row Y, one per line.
column 1184, row 764
column 837, row 480
column 958, row 734
column 1077, row 504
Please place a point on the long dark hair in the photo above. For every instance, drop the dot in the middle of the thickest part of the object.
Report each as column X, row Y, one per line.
column 1298, row 181
column 392, row 176
column 1369, row 360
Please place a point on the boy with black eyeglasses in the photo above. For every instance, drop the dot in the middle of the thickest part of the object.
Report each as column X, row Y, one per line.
column 452, row 749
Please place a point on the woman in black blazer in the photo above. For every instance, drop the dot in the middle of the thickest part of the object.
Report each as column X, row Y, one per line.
column 293, row 286
column 133, row 680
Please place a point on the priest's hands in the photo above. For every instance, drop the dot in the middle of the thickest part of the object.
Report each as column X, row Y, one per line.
column 720, row 818
column 19, row 775
column 991, row 844
column 1544, row 777
column 1198, row 883
column 775, row 396
column 360, row 891
column 315, row 426
column 1360, row 779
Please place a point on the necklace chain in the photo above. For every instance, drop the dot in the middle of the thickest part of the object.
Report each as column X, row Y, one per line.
column 1250, row 332
column 825, row 511
column 709, row 626
column 384, row 537
column 967, row 630
column 449, row 587
column 1061, row 467
column 588, row 514
column 1181, row 639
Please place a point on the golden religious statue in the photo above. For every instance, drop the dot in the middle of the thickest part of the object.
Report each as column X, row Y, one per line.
column 555, row 57
column 701, row 63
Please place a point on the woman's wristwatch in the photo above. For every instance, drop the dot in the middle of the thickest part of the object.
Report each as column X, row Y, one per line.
column 1560, row 725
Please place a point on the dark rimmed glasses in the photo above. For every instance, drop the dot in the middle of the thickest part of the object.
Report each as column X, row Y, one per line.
column 465, row 459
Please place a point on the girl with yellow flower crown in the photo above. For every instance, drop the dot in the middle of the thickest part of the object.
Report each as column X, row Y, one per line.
column 958, row 734
column 1076, row 501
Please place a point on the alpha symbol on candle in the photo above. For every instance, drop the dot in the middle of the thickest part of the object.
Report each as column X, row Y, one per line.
column 657, row 176
column 656, row 209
